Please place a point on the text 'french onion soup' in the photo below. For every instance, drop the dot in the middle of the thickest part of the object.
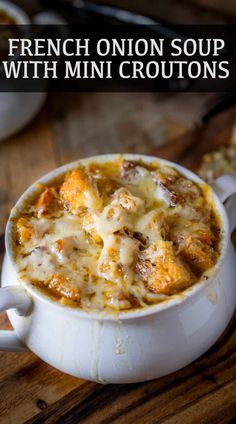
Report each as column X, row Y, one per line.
column 116, row 235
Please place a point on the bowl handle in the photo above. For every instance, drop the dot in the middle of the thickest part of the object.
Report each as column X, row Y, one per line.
column 13, row 297
column 225, row 187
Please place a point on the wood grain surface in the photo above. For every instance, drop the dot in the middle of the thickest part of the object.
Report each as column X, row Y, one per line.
column 69, row 127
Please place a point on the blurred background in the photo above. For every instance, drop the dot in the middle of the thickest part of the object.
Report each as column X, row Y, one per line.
column 173, row 11
column 66, row 127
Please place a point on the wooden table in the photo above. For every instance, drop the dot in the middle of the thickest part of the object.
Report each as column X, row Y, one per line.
column 72, row 126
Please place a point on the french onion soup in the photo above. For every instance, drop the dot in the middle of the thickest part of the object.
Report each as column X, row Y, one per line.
column 117, row 235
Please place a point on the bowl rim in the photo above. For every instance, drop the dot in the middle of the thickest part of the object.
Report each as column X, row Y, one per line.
column 174, row 300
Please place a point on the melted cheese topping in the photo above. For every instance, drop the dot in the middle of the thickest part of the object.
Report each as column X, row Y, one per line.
column 117, row 236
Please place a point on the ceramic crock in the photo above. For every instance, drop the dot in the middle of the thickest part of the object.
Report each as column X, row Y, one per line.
column 131, row 346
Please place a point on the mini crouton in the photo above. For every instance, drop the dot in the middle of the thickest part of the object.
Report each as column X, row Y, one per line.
column 195, row 241
column 117, row 300
column 24, row 230
column 46, row 202
column 63, row 248
column 200, row 256
column 162, row 270
column 63, row 286
column 79, row 191
column 90, row 227
column 180, row 233
column 117, row 258
column 132, row 204
column 176, row 189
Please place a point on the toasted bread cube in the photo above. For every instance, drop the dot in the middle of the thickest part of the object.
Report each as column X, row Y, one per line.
column 162, row 270
column 132, row 204
column 176, row 189
column 183, row 232
column 46, row 202
column 63, row 248
column 200, row 256
column 24, row 230
column 90, row 227
column 78, row 191
column 117, row 300
column 117, row 258
column 63, row 286
column 195, row 242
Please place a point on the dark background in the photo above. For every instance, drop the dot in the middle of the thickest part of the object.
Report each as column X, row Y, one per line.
column 172, row 11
